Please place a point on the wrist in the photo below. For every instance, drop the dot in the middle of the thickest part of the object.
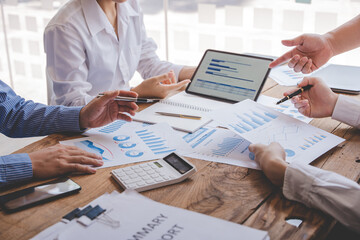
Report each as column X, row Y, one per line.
column 82, row 122
column 333, row 100
column 330, row 39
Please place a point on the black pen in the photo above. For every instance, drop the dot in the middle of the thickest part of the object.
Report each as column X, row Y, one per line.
column 300, row 90
column 131, row 99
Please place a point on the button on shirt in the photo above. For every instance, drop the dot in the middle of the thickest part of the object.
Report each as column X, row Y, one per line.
column 85, row 57
column 20, row 118
column 330, row 192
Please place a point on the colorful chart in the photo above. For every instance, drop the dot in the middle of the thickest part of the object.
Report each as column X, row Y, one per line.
column 113, row 127
column 96, row 148
column 157, row 145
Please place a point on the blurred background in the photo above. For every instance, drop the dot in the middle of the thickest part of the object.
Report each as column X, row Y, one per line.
column 183, row 30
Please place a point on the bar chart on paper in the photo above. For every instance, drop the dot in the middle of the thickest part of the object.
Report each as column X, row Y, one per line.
column 120, row 145
column 261, row 124
column 253, row 119
column 156, row 144
column 220, row 145
column 286, row 107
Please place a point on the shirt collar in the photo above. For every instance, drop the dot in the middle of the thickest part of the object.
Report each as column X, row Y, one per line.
column 95, row 16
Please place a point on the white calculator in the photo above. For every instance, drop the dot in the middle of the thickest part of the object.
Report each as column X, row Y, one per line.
column 145, row 176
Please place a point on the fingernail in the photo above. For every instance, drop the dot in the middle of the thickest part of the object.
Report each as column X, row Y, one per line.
column 92, row 170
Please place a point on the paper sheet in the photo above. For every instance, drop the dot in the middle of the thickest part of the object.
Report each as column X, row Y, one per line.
column 261, row 124
column 220, row 145
column 285, row 107
column 130, row 145
column 142, row 218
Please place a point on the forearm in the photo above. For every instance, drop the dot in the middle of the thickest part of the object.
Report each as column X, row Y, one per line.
column 186, row 73
column 346, row 37
column 15, row 167
column 327, row 191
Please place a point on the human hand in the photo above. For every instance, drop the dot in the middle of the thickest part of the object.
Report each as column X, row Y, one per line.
column 310, row 53
column 60, row 159
column 318, row 101
column 271, row 159
column 104, row 110
column 160, row 86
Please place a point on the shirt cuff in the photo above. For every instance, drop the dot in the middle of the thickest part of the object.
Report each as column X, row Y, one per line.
column 177, row 69
column 347, row 111
column 70, row 119
column 15, row 167
column 297, row 183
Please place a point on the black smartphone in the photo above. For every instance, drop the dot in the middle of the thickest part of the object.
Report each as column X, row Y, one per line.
column 31, row 196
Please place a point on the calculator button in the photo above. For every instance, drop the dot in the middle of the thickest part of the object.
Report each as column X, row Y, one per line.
column 125, row 178
column 150, row 172
column 154, row 175
column 133, row 176
column 158, row 180
column 146, row 168
column 129, row 172
column 146, row 178
column 142, row 166
column 166, row 178
column 132, row 186
column 142, row 174
column 150, row 181
column 140, row 184
column 138, row 170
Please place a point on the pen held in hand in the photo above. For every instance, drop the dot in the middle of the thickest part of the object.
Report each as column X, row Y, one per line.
column 131, row 99
column 179, row 115
column 299, row 91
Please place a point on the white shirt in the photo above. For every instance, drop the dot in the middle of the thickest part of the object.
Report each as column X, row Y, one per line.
column 332, row 193
column 85, row 57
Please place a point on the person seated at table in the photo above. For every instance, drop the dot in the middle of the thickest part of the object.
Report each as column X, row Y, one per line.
column 313, row 50
column 332, row 193
column 97, row 45
column 20, row 118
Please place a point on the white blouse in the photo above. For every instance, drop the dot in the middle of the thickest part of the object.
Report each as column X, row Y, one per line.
column 85, row 57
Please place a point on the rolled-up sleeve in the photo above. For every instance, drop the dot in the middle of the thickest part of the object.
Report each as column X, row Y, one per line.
column 332, row 193
column 347, row 110
column 15, row 167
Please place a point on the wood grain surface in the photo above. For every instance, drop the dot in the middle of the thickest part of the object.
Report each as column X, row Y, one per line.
column 224, row 191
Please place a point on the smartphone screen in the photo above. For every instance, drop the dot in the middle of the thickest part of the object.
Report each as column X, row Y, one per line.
column 37, row 194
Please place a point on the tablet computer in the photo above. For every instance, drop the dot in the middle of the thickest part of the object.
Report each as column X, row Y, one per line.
column 229, row 76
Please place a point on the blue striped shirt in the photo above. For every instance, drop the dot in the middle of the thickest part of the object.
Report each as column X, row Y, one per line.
column 20, row 118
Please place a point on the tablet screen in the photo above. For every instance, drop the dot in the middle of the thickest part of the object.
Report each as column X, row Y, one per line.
column 229, row 76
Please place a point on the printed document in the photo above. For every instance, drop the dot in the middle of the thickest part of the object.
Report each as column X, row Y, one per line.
column 220, row 145
column 140, row 218
column 120, row 146
column 261, row 124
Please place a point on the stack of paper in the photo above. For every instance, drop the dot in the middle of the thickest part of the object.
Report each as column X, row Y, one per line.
column 140, row 218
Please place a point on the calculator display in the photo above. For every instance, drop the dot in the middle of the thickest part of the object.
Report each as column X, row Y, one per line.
column 176, row 162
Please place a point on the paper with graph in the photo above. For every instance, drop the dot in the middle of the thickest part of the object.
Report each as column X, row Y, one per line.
column 261, row 124
column 120, row 145
column 220, row 145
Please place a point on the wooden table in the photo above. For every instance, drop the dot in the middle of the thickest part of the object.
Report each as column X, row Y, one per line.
column 232, row 193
